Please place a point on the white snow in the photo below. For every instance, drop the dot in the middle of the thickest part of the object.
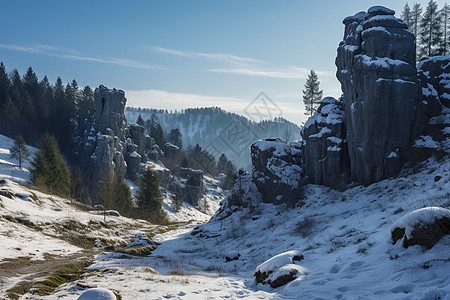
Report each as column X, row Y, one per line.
column 384, row 62
column 277, row 261
column 426, row 141
column 421, row 216
column 376, row 29
column 321, row 133
column 393, row 154
column 97, row 294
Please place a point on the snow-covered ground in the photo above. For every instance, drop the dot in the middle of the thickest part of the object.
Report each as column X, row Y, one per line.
column 344, row 237
column 9, row 167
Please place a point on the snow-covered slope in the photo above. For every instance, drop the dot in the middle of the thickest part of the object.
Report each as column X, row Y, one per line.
column 344, row 237
column 8, row 166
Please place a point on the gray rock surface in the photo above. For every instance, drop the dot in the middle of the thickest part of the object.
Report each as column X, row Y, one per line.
column 325, row 147
column 276, row 171
column 193, row 185
column 376, row 68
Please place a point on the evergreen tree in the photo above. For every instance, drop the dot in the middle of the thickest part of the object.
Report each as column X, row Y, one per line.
column 431, row 30
column 178, row 201
column 19, row 151
column 49, row 170
column 175, row 138
column 78, row 191
column 86, row 103
column 5, row 85
column 407, row 15
column 140, row 121
column 156, row 131
column 222, row 163
column 115, row 194
column 312, row 95
column 149, row 197
column 445, row 13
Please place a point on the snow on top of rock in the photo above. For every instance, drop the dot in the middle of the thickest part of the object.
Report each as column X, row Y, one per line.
column 376, row 28
column 288, row 270
column 384, row 62
column 426, row 141
column 328, row 113
column 420, row 217
column 321, row 133
column 278, row 261
column 97, row 294
column 280, row 147
column 380, row 10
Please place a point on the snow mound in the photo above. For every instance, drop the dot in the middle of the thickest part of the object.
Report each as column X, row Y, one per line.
column 97, row 294
column 380, row 10
column 280, row 269
column 423, row 226
column 278, row 261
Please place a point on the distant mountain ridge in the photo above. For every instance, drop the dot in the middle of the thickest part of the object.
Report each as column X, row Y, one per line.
column 217, row 130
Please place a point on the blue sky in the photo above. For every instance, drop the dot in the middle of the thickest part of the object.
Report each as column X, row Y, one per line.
column 179, row 54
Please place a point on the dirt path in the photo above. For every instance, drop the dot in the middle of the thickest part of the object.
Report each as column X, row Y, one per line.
column 22, row 270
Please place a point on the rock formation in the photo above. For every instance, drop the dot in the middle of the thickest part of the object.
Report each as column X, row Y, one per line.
column 276, row 171
column 325, row 150
column 377, row 71
column 112, row 146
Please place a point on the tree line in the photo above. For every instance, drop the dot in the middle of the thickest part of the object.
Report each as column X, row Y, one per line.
column 430, row 26
column 31, row 107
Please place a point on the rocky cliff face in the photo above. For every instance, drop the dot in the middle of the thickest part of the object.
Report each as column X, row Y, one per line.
column 112, row 146
column 376, row 68
column 325, row 151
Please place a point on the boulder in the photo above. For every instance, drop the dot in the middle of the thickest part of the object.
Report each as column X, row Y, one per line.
column 280, row 269
column 276, row 171
column 425, row 227
column 377, row 71
column 97, row 294
column 325, row 147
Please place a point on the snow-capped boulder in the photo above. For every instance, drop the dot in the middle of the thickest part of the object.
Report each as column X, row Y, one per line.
column 280, row 269
column 425, row 227
column 377, row 70
column 97, row 294
column 325, row 150
column 276, row 171
column 232, row 255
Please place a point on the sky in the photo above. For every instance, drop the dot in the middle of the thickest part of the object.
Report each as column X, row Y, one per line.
column 180, row 54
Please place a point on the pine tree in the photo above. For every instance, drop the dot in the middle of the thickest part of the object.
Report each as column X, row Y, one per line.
column 5, row 85
column 115, row 194
column 140, row 121
column 78, row 191
column 49, row 170
column 416, row 16
column 445, row 13
column 156, row 131
column 19, row 151
column 178, row 201
column 407, row 15
column 312, row 95
column 149, row 197
column 175, row 138
column 431, row 30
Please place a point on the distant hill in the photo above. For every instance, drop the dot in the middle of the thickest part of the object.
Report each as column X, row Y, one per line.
column 217, row 130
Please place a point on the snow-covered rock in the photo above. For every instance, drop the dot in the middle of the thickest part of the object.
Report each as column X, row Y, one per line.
column 276, row 171
column 377, row 71
column 424, row 227
column 280, row 269
column 97, row 294
column 325, row 150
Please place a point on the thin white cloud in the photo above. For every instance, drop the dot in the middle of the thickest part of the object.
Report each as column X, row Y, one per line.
column 239, row 65
column 71, row 54
column 160, row 99
column 290, row 72
column 221, row 57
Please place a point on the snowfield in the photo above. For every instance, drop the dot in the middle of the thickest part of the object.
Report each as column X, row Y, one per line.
column 344, row 237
